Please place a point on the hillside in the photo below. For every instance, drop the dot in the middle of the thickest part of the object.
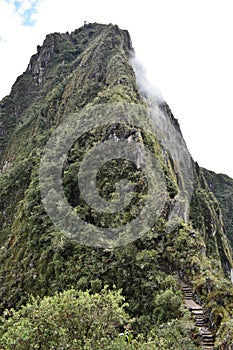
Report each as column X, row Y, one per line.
column 81, row 91
column 222, row 187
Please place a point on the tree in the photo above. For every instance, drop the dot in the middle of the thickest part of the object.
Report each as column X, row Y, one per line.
column 68, row 320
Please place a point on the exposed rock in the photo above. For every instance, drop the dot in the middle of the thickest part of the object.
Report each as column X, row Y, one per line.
column 72, row 73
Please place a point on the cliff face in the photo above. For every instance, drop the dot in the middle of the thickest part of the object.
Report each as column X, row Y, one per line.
column 88, row 74
column 222, row 187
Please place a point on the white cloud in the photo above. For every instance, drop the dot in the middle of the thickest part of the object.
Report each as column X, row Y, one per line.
column 184, row 45
column 25, row 5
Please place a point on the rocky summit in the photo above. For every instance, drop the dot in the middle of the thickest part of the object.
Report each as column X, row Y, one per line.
column 100, row 202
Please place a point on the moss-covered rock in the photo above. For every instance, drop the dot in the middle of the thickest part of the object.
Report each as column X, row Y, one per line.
column 71, row 73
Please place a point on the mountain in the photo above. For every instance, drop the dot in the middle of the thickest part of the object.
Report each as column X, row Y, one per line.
column 222, row 187
column 156, row 223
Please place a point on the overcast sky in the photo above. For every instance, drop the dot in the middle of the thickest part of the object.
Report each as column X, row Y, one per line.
column 186, row 47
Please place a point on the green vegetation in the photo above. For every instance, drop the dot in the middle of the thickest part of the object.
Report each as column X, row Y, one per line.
column 222, row 187
column 74, row 320
column 66, row 280
column 80, row 320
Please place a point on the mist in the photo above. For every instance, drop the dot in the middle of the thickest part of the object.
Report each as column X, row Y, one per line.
column 167, row 132
column 149, row 92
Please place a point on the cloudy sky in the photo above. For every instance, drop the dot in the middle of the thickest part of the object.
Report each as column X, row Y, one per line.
column 185, row 46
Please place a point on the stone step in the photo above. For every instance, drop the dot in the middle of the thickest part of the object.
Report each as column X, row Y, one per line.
column 206, row 336
column 187, row 290
column 198, row 316
column 208, row 340
column 210, row 343
column 198, row 311
column 208, row 346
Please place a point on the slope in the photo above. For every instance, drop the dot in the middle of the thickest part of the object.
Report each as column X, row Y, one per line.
column 88, row 74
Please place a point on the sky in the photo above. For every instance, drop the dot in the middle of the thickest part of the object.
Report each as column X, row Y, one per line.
column 184, row 45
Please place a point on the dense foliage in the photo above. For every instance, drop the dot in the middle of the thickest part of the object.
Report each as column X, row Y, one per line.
column 222, row 187
column 68, row 73
column 80, row 320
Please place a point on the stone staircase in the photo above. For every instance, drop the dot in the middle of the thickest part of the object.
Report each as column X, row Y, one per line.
column 207, row 337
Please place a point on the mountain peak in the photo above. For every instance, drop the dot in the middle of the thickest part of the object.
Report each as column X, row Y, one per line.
column 80, row 98
column 66, row 47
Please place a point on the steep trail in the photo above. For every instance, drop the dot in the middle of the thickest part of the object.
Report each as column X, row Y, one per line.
column 207, row 337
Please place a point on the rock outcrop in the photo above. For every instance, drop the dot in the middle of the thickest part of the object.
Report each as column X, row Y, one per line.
column 70, row 74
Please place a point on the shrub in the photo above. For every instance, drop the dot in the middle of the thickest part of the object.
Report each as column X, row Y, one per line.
column 68, row 320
